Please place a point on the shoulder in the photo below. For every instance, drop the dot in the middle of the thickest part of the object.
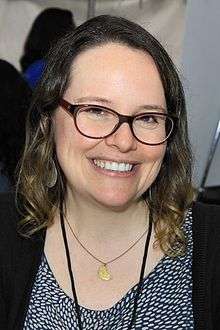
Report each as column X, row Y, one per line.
column 206, row 227
column 10, row 238
column 8, row 212
column 206, row 216
column 9, row 217
column 206, row 264
column 206, row 209
column 19, row 259
column 15, row 248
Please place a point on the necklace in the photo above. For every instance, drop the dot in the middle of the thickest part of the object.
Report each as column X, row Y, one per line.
column 139, row 287
column 103, row 271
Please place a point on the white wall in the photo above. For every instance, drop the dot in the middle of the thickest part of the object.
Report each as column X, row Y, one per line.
column 163, row 18
column 201, row 65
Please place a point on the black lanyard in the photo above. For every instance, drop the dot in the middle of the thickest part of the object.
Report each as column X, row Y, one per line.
column 72, row 278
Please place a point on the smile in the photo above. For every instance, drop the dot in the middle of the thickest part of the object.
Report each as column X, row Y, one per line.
column 113, row 166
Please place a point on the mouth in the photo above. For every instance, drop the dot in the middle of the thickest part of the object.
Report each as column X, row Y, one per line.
column 113, row 166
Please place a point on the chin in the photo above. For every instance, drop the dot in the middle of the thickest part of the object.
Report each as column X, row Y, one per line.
column 116, row 203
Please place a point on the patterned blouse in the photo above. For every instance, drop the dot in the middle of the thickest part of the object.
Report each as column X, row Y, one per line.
column 165, row 301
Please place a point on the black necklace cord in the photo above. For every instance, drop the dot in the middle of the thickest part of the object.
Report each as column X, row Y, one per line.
column 142, row 272
column 71, row 272
column 70, row 267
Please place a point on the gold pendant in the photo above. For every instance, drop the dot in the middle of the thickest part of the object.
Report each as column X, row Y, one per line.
column 104, row 273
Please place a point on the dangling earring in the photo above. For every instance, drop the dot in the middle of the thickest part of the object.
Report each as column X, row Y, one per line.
column 150, row 193
column 52, row 175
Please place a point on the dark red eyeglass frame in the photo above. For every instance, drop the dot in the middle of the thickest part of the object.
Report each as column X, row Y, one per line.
column 74, row 108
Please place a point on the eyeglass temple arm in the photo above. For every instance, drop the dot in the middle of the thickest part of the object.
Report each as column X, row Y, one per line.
column 65, row 104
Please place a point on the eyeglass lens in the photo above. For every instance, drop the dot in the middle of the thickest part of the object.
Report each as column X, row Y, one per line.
column 99, row 122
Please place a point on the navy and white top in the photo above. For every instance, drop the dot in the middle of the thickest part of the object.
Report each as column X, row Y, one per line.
column 165, row 301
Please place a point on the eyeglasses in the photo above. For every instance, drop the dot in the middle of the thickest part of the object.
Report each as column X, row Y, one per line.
column 98, row 122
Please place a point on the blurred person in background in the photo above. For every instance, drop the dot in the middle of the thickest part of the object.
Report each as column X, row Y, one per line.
column 15, row 95
column 47, row 28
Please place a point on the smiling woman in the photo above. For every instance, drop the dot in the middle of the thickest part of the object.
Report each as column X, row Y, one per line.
column 108, row 234
column 129, row 91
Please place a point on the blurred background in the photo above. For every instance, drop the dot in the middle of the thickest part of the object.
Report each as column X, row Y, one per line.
column 189, row 30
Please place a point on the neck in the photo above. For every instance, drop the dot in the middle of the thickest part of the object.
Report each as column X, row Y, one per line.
column 90, row 219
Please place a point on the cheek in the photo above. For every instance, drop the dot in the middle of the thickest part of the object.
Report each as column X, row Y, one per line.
column 63, row 139
column 68, row 152
column 154, row 159
column 71, row 146
column 155, row 154
column 64, row 136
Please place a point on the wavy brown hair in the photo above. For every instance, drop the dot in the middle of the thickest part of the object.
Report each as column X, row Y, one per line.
column 171, row 193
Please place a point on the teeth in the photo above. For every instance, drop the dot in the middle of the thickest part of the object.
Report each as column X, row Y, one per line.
column 113, row 166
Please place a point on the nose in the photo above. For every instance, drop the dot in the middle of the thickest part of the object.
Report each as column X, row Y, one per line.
column 122, row 139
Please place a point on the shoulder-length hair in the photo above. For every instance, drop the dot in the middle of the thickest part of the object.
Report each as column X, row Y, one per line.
column 171, row 193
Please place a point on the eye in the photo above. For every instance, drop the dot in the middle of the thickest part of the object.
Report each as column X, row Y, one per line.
column 96, row 113
column 147, row 119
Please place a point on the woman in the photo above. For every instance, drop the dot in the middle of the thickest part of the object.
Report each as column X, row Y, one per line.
column 105, row 193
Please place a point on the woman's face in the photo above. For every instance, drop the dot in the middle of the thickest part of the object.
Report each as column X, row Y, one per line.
column 126, row 80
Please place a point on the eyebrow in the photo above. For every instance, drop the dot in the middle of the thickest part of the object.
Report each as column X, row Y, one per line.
column 152, row 107
column 90, row 99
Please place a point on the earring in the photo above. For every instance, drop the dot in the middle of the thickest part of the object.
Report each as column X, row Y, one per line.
column 150, row 193
column 52, row 175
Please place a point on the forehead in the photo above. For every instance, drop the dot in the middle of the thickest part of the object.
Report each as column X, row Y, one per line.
column 117, row 71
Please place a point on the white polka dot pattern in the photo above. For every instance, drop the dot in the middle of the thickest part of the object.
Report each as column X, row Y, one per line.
column 165, row 302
